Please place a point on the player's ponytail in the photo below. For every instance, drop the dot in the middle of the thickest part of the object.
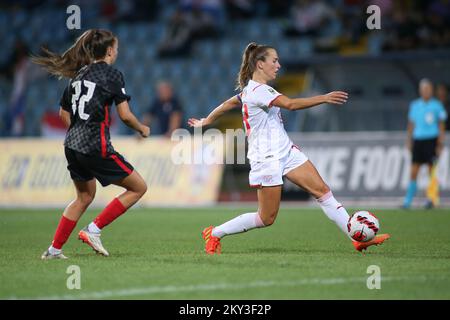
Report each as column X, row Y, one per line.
column 91, row 45
column 252, row 53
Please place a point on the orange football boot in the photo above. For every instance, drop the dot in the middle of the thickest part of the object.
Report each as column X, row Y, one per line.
column 379, row 239
column 212, row 244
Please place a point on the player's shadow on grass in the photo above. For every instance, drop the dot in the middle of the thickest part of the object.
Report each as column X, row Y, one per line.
column 99, row 256
column 282, row 250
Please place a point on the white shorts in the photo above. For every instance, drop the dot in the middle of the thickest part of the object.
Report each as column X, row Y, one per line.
column 270, row 173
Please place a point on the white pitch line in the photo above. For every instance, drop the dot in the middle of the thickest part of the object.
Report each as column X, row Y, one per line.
column 218, row 286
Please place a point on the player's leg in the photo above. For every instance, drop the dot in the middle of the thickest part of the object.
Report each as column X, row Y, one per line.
column 135, row 187
column 85, row 195
column 418, row 157
column 269, row 199
column 112, row 170
column 307, row 177
column 268, row 202
column 268, row 173
column 412, row 186
column 432, row 191
column 268, row 205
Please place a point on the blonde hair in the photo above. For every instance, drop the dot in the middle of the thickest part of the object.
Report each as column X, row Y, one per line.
column 252, row 54
column 91, row 45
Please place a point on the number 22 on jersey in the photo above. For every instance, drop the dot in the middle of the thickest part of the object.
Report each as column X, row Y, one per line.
column 79, row 102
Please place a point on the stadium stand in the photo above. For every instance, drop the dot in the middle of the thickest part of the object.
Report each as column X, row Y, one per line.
column 206, row 76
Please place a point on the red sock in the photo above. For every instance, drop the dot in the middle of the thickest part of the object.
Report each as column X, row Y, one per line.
column 112, row 211
column 63, row 231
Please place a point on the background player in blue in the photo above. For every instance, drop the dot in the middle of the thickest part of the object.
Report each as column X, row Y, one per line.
column 85, row 108
column 165, row 110
column 426, row 134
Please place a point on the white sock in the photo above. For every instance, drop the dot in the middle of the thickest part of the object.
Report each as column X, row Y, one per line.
column 92, row 227
column 335, row 211
column 242, row 223
column 53, row 251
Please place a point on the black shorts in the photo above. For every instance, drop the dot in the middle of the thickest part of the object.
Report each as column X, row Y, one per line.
column 424, row 151
column 107, row 170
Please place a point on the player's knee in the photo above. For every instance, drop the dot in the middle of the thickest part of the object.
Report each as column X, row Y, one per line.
column 140, row 189
column 143, row 189
column 86, row 199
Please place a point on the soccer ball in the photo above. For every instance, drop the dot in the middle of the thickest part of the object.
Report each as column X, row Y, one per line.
column 363, row 226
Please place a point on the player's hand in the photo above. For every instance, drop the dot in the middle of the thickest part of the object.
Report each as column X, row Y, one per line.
column 336, row 97
column 145, row 131
column 198, row 123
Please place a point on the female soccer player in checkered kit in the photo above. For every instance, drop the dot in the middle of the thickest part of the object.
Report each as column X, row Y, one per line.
column 85, row 108
column 271, row 152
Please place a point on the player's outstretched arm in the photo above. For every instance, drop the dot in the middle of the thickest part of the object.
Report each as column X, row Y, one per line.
column 228, row 105
column 125, row 114
column 335, row 97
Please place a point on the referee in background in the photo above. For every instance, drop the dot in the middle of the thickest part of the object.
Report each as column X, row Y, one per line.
column 426, row 133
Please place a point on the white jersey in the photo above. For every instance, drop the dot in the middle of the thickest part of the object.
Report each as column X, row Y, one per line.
column 267, row 138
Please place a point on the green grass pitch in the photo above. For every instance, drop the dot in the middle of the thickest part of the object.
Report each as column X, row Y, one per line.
column 158, row 254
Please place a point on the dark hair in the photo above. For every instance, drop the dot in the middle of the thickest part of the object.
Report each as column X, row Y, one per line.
column 91, row 45
column 252, row 54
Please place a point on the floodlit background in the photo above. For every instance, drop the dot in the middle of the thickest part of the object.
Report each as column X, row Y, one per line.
column 197, row 47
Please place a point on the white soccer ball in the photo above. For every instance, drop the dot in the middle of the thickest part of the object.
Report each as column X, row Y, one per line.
column 363, row 226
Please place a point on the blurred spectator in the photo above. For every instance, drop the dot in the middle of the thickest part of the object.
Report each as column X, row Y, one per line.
column 205, row 17
column 308, row 17
column 136, row 10
column 178, row 37
column 166, row 110
column 109, row 10
column 277, row 8
column 352, row 14
column 435, row 31
column 442, row 95
column 193, row 20
column 145, row 10
column 402, row 32
column 417, row 24
column 22, row 71
column 28, row 4
column 241, row 9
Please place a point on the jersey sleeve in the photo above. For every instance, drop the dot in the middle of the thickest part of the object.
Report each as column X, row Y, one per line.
column 265, row 95
column 442, row 114
column 116, row 85
column 65, row 100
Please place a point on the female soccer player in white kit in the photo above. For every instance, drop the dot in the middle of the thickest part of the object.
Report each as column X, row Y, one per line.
column 271, row 152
